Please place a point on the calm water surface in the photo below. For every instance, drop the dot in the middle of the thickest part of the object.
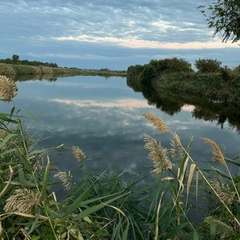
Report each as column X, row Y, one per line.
column 104, row 118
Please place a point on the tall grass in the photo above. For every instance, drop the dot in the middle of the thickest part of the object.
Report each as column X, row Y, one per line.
column 111, row 207
column 182, row 174
column 30, row 208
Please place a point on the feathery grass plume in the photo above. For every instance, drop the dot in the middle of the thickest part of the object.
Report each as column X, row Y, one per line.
column 22, row 201
column 66, row 179
column 225, row 193
column 3, row 134
column 217, row 153
column 176, row 150
column 157, row 122
column 157, row 155
column 78, row 153
column 8, row 88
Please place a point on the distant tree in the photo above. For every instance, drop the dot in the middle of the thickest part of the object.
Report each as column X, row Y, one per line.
column 224, row 16
column 208, row 65
column 15, row 59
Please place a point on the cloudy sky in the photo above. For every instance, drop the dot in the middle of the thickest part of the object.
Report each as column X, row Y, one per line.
column 108, row 33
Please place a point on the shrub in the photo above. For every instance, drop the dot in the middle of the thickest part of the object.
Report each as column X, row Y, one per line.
column 208, row 65
column 171, row 65
column 227, row 74
column 237, row 69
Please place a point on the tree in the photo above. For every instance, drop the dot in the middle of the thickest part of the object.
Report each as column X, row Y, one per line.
column 171, row 65
column 208, row 65
column 15, row 59
column 224, row 17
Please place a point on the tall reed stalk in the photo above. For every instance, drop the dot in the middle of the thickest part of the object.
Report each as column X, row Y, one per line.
column 180, row 177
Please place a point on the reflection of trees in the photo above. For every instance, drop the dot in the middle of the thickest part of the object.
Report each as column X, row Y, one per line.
column 167, row 105
column 205, row 109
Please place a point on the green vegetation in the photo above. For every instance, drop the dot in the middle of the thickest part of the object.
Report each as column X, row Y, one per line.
column 103, row 207
column 16, row 60
column 212, row 81
column 224, row 17
column 212, row 89
column 208, row 65
column 24, row 69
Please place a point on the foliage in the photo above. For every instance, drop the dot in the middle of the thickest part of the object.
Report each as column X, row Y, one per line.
column 132, row 76
column 208, row 65
column 224, row 17
column 171, row 65
column 15, row 60
column 147, row 75
column 237, row 69
column 140, row 77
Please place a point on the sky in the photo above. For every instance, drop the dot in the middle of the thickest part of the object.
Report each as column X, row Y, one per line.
column 95, row 34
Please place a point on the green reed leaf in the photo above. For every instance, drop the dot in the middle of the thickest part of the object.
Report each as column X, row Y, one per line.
column 97, row 207
column 4, row 117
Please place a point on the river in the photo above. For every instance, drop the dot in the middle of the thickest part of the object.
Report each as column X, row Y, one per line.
column 103, row 116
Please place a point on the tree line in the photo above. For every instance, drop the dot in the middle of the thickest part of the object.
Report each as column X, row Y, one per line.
column 16, row 61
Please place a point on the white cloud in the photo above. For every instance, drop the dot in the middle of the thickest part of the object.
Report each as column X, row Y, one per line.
column 138, row 43
column 94, row 33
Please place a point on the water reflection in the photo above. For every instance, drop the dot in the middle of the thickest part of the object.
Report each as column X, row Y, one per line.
column 103, row 117
column 204, row 109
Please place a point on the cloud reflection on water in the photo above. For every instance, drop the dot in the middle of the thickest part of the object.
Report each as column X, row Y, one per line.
column 126, row 103
column 104, row 118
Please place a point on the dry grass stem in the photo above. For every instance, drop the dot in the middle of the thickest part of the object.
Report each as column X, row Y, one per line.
column 176, row 150
column 8, row 88
column 78, row 153
column 224, row 192
column 157, row 155
column 217, row 153
column 157, row 122
column 22, row 201
column 66, row 179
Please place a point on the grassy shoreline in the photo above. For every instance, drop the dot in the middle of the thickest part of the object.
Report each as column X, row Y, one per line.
column 44, row 72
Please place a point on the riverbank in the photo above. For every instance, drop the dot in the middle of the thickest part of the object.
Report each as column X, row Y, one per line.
column 15, row 71
column 221, row 86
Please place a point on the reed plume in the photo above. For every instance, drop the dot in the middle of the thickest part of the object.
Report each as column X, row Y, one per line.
column 176, row 150
column 78, row 153
column 8, row 88
column 157, row 122
column 217, row 153
column 225, row 193
column 66, row 179
column 22, row 201
column 3, row 134
column 157, row 155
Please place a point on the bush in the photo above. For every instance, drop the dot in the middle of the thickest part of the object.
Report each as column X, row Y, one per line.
column 208, row 65
column 171, row 65
column 237, row 69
